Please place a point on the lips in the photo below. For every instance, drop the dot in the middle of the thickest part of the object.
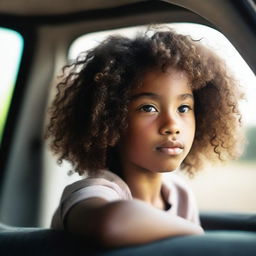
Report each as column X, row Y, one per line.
column 171, row 148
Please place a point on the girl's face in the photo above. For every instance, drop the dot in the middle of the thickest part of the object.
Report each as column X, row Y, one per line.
column 161, row 123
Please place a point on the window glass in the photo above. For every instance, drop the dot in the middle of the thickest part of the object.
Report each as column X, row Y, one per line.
column 11, row 46
column 230, row 187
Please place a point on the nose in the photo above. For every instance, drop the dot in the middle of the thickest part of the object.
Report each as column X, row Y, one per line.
column 169, row 126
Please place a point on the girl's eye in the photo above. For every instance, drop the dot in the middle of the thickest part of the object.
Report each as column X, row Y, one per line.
column 148, row 108
column 184, row 108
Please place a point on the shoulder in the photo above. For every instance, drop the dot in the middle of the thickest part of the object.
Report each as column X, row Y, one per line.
column 177, row 183
column 105, row 180
column 105, row 185
column 181, row 197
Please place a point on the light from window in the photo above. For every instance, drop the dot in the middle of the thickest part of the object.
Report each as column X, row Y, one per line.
column 11, row 46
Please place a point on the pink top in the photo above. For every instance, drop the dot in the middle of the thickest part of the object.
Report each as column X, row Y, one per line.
column 111, row 187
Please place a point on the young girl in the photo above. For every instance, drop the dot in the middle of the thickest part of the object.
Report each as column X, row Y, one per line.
column 127, row 112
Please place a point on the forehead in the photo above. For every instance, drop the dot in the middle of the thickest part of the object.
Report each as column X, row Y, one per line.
column 172, row 81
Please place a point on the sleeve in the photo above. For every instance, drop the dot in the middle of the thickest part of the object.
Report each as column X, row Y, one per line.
column 84, row 189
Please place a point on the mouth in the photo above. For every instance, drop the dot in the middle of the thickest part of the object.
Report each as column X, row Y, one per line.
column 171, row 148
column 170, row 151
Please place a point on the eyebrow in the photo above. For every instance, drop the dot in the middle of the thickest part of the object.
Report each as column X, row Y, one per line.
column 186, row 96
column 145, row 94
column 156, row 96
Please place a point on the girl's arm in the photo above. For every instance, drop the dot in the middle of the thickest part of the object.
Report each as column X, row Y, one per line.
column 124, row 223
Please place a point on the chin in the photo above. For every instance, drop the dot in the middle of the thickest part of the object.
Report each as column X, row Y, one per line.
column 168, row 167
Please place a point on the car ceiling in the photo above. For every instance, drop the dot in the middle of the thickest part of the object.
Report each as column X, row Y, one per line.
column 49, row 7
column 237, row 18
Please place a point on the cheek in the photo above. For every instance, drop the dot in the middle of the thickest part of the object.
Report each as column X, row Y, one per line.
column 191, row 124
column 139, row 132
column 140, row 127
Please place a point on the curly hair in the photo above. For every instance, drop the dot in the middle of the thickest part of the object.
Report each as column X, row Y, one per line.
column 90, row 109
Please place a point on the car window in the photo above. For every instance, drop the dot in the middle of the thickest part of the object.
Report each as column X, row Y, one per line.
column 229, row 187
column 11, row 47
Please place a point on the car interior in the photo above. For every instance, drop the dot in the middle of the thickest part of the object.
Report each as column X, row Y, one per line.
column 30, row 179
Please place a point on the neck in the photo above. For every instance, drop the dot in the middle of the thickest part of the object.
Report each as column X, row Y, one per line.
column 144, row 185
